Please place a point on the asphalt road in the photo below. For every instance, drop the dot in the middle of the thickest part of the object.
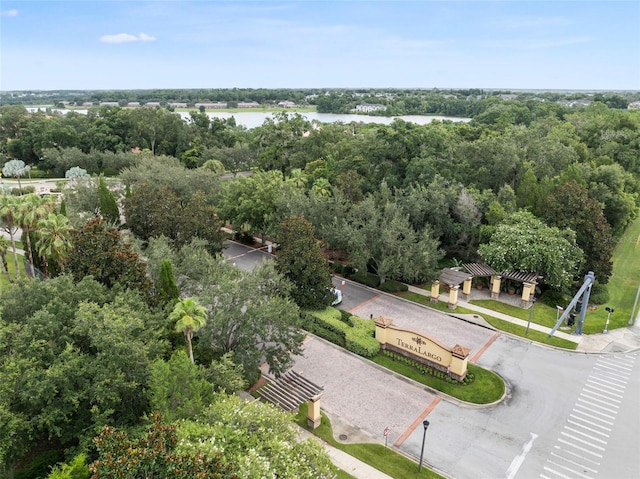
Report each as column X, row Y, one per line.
column 567, row 415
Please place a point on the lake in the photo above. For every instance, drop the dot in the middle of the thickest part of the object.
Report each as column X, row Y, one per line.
column 253, row 119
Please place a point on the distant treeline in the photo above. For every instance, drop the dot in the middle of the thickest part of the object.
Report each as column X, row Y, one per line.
column 384, row 102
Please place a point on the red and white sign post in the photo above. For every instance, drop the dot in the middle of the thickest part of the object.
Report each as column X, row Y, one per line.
column 386, row 432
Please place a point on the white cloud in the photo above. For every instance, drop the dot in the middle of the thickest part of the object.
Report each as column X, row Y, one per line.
column 127, row 38
column 9, row 13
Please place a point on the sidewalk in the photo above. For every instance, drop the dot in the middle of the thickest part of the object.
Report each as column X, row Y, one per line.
column 619, row 340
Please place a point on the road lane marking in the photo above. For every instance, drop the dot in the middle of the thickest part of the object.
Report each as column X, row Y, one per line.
column 607, row 370
column 585, row 435
column 590, row 423
column 590, row 390
column 518, row 460
column 596, row 406
column 615, row 365
column 590, row 416
column 622, row 382
column 362, row 305
column 595, row 471
column 597, row 400
column 563, row 476
column 570, row 470
column 571, row 453
column 587, row 443
column 579, row 448
column 607, row 385
column 587, row 428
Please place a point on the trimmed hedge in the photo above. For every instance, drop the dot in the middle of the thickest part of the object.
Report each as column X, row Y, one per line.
column 368, row 279
column 391, row 286
column 356, row 335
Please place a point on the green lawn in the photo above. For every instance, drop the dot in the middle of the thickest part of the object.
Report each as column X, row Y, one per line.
column 488, row 387
column 4, row 281
column 376, row 455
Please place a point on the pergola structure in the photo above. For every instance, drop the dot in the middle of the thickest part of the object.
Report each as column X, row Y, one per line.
column 290, row 390
column 453, row 278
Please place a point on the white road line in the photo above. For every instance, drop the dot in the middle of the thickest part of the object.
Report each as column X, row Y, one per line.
column 563, row 476
column 592, row 423
column 622, row 382
column 518, row 460
column 575, row 423
column 585, row 435
column 569, row 469
column 582, row 458
column 595, row 471
column 618, row 389
column 586, row 443
column 591, row 390
column 610, row 423
column 579, row 448
column 598, row 406
column 607, row 370
column 616, row 365
column 583, row 394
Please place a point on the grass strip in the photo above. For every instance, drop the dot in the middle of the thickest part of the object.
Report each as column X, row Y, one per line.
column 376, row 455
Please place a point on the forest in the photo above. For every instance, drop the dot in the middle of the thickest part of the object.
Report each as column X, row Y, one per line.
column 140, row 314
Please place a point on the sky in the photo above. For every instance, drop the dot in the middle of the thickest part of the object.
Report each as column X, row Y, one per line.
column 106, row 45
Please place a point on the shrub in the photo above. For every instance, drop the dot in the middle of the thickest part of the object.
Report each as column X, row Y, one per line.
column 391, row 286
column 599, row 294
column 368, row 279
column 348, row 270
column 337, row 267
column 25, row 190
column 357, row 335
column 555, row 298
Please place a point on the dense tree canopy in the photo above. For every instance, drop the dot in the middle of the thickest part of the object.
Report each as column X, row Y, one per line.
column 522, row 242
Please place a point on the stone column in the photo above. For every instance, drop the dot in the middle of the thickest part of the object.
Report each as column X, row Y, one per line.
column 453, row 297
column 466, row 287
column 495, row 286
column 527, row 293
column 435, row 291
column 459, row 360
column 313, row 412
column 381, row 330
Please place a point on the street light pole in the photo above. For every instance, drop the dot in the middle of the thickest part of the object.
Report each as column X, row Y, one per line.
column 533, row 302
column 425, row 423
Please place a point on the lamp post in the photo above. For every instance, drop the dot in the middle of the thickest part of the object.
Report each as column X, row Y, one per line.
column 533, row 302
column 606, row 325
column 425, row 423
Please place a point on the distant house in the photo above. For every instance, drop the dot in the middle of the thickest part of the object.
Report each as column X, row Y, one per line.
column 108, row 103
column 133, row 104
column 508, row 96
column 248, row 104
column 178, row 104
column 635, row 105
column 286, row 104
column 152, row 104
column 211, row 106
column 369, row 107
column 575, row 103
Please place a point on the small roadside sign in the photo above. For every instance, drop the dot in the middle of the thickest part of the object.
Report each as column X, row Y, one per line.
column 387, row 430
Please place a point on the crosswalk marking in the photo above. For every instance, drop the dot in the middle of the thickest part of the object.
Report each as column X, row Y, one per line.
column 583, row 439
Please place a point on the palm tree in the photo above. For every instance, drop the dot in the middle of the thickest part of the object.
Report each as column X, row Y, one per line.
column 54, row 240
column 8, row 213
column 189, row 317
column 31, row 209
column 4, row 249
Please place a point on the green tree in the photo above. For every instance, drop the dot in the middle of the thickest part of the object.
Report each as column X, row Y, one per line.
column 523, row 242
column 98, row 251
column 260, row 441
column 108, row 205
column 381, row 236
column 76, row 469
column 178, row 388
column 301, row 261
column 4, row 249
column 571, row 207
column 54, row 239
column 279, row 138
column 252, row 317
column 16, row 168
column 189, row 317
column 31, row 209
column 9, row 224
column 153, row 455
column 167, row 287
